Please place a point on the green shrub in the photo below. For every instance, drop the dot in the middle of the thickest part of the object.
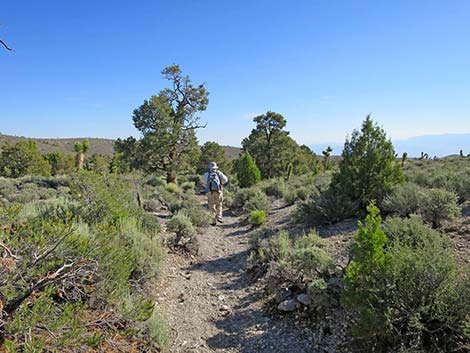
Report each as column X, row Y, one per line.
column 242, row 196
column 157, row 331
column 367, row 270
column 276, row 249
column 309, row 256
column 188, row 185
column 181, row 225
column 326, row 209
column 173, row 188
column 155, row 181
column 199, row 217
column 104, row 198
column 150, row 224
column 257, row 217
column 257, row 201
column 274, row 187
column 437, row 205
column 404, row 200
column 413, row 232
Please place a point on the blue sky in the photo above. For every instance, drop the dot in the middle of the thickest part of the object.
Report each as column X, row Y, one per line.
column 79, row 68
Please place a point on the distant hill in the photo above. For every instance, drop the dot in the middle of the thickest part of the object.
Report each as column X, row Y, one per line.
column 47, row 145
column 97, row 145
column 434, row 145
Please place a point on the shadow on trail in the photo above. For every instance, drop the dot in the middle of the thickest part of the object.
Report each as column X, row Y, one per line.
column 251, row 331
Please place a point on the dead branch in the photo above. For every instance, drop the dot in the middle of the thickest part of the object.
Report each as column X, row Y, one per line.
column 50, row 250
column 5, row 45
column 39, row 285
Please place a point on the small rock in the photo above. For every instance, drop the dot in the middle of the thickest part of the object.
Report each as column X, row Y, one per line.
column 282, row 295
column 305, row 299
column 288, row 305
column 225, row 308
column 221, row 298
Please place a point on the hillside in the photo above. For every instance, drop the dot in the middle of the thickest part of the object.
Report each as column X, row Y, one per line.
column 97, row 145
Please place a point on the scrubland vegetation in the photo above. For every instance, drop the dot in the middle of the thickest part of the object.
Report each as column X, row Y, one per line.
column 81, row 243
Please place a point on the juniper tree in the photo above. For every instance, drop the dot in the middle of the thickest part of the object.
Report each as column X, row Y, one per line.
column 368, row 169
column 212, row 152
column 168, row 122
column 270, row 145
column 248, row 173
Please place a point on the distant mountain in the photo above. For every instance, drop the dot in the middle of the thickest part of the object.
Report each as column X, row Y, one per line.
column 101, row 146
column 434, row 145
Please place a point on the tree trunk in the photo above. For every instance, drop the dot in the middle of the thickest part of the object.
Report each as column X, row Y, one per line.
column 79, row 160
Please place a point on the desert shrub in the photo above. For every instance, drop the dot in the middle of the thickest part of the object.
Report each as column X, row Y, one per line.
column 181, row 225
column 155, row 181
column 407, row 290
column 301, row 193
column 157, row 331
column 274, row 187
column 437, row 205
column 242, row 196
column 188, row 185
column 250, row 199
column 404, row 200
column 104, row 197
column 276, row 249
column 258, row 201
column 173, row 188
column 257, row 217
column 413, row 232
column 229, row 198
column 309, row 256
column 247, row 172
column 172, row 201
column 150, row 224
column 152, row 205
column 199, row 217
column 7, row 187
column 326, row 209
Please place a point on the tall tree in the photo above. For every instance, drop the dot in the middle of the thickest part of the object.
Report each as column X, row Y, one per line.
column 168, row 122
column 81, row 148
column 270, row 145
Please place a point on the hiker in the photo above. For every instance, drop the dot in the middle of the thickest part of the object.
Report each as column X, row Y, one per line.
column 214, row 181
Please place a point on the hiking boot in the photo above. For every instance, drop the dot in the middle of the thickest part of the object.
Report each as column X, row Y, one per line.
column 220, row 220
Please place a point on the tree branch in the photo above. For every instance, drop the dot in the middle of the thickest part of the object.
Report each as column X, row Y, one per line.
column 5, row 45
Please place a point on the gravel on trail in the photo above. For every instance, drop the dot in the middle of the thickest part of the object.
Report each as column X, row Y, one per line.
column 212, row 305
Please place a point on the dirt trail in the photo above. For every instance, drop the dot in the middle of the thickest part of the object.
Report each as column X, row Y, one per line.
column 212, row 305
